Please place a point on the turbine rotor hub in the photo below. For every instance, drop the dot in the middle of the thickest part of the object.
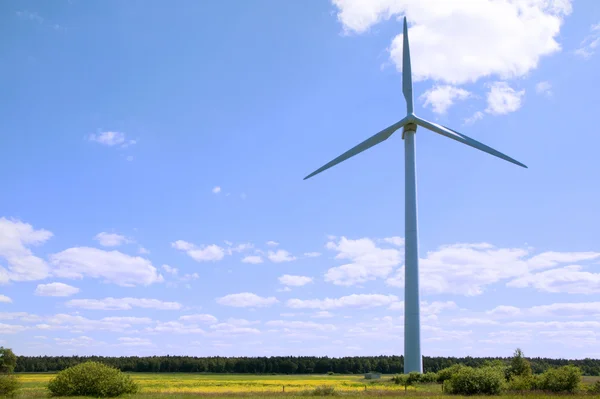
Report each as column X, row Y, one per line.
column 409, row 127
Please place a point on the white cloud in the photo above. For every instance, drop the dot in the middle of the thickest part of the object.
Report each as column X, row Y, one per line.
column 122, row 304
column 588, row 46
column 295, row 281
column 322, row 314
column 254, row 259
column 111, row 239
column 176, row 327
column 462, row 41
column 441, row 97
column 109, row 266
column 366, row 261
column 280, row 255
column 272, row 243
column 56, row 289
column 170, row 269
column 505, row 311
column 312, row 254
column 11, row 328
column 301, row 325
column 110, row 139
column 353, row 301
column 135, row 341
column 397, row 241
column 478, row 115
column 232, row 328
column 503, row 99
column 543, row 87
column 466, row 269
column 202, row 318
column 5, row 299
column 216, row 190
column 205, row 253
column 15, row 239
column 82, row 341
column 246, row 300
column 143, row 251
column 570, row 280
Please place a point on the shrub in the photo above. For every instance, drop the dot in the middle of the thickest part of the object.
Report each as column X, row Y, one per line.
column 594, row 388
column 330, row 373
column 324, row 390
column 482, row 381
column 91, row 379
column 8, row 360
column 520, row 383
column 519, row 366
column 447, row 373
column 8, row 385
column 413, row 377
column 428, row 378
column 400, row 379
column 561, row 379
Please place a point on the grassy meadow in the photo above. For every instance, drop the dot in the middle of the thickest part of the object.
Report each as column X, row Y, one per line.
column 155, row 385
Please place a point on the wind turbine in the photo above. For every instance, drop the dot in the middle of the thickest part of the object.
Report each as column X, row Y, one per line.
column 412, row 323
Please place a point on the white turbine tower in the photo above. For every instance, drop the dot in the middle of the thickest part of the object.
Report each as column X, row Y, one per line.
column 412, row 324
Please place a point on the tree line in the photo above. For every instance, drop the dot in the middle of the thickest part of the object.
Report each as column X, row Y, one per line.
column 283, row 364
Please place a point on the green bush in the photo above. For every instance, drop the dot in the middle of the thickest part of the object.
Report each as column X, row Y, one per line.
column 480, row 381
column 324, row 390
column 414, row 377
column 561, row 379
column 91, row 379
column 428, row 378
column 8, row 360
column 447, row 373
column 521, row 383
column 8, row 385
column 400, row 379
column 594, row 388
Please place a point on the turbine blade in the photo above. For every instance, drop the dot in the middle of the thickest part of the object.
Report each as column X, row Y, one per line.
column 453, row 134
column 365, row 145
column 407, row 72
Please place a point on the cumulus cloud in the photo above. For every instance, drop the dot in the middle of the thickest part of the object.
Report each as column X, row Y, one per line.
column 362, row 301
column 462, row 41
column 466, row 269
column 366, row 261
column 543, row 87
column 111, row 139
column 570, row 280
column 280, row 256
column 294, row 281
column 441, row 97
column 246, row 300
column 216, row 190
column 253, row 259
column 5, row 299
column 111, row 239
column 503, row 99
column 110, row 266
column 122, row 304
column 199, row 318
column 588, row 46
column 206, row 253
column 16, row 238
column 55, row 289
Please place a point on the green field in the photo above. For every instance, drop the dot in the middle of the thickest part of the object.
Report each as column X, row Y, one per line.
column 223, row 385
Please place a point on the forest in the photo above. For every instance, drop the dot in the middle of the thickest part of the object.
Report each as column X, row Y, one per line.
column 283, row 364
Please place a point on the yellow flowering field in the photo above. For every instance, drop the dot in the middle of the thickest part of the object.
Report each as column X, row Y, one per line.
column 174, row 383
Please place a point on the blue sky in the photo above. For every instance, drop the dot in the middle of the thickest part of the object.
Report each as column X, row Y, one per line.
column 152, row 163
